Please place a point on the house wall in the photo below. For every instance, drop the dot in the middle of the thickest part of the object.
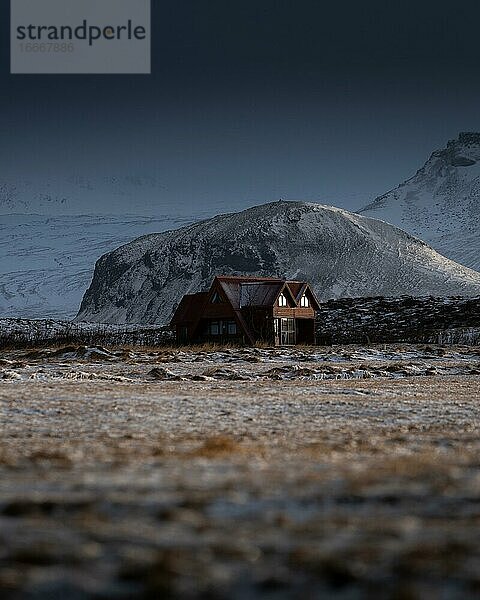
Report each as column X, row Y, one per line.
column 259, row 321
column 305, row 331
column 293, row 313
column 218, row 311
column 184, row 332
column 222, row 334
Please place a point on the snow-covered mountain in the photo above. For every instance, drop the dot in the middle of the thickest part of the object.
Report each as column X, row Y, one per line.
column 46, row 261
column 441, row 203
column 341, row 253
column 54, row 228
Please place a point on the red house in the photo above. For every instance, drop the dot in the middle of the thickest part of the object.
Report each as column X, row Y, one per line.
column 248, row 310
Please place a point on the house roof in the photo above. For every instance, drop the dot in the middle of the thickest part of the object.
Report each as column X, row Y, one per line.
column 296, row 287
column 190, row 308
column 259, row 293
column 248, row 291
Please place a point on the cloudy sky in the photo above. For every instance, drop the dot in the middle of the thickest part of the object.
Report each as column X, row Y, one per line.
column 255, row 100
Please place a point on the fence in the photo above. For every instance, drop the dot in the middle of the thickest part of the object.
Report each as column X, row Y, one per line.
column 35, row 333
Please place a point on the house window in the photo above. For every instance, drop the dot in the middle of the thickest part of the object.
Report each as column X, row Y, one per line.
column 304, row 301
column 216, row 298
column 214, row 328
column 221, row 328
column 287, row 332
column 282, row 301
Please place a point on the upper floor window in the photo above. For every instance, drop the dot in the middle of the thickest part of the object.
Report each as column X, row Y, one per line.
column 304, row 301
column 282, row 301
column 216, row 298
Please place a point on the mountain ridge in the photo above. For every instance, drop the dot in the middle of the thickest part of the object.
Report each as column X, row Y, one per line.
column 441, row 202
column 341, row 253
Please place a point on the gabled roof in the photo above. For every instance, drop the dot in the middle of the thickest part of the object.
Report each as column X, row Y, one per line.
column 190, row 308
column 286, row 291
column 299, row 288
column 263, row 293
column 244, row 291
column 250, row 291
column 296, row 287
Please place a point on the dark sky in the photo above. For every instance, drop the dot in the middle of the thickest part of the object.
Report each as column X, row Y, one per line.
column 254, row 100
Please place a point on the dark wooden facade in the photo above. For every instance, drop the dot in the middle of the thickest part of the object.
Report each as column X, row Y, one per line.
column 248, row 310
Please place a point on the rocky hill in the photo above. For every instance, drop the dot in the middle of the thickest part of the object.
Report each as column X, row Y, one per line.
column 404, row 319
column 341, row 253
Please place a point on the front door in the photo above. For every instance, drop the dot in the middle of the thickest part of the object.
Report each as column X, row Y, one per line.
column 287, row 332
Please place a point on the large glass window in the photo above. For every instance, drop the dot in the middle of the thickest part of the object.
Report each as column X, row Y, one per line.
column 232, row 328
column 287, row 332
column 214, row 328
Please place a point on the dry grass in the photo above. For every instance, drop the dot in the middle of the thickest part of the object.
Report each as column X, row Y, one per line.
column 293, row 488
column 215, row 447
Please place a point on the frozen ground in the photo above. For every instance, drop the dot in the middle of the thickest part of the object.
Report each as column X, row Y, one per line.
column 349, row 472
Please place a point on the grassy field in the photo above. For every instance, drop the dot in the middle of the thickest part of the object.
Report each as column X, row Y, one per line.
column 350, row 472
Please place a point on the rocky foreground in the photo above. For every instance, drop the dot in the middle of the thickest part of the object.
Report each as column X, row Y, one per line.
column 349, row 472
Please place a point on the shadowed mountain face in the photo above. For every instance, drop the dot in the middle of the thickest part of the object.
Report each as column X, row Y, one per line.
column 340, row 253
column 441, row 202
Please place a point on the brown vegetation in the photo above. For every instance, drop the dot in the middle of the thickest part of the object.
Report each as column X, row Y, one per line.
column 214, row 488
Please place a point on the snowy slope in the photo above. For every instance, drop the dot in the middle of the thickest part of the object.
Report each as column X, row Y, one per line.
column 441, row 203
column 341, row 253
column 46, row 261
column 54, row 228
